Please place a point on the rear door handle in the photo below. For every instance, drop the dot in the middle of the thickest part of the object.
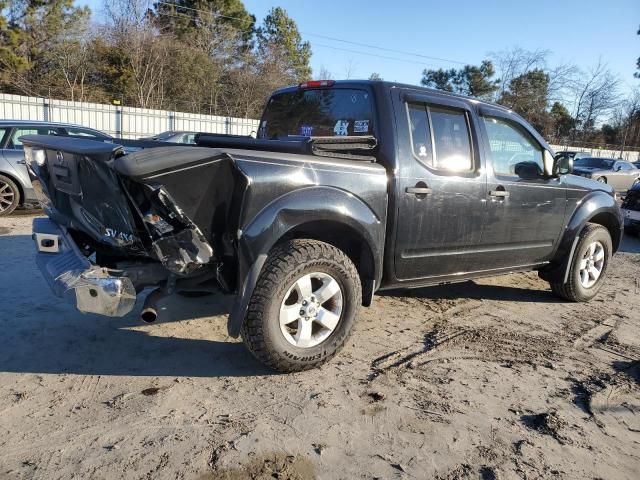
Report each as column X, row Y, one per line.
column 418, row 190
column 499, row 193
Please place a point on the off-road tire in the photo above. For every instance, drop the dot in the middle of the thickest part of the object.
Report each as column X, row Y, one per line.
column 573, row 290
column 286, row 262
column 10, row 184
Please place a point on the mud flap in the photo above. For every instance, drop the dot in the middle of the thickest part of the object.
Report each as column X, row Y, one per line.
column 239, row 309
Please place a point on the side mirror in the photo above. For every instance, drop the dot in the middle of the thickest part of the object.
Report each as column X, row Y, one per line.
column 618, row 168
column 528, row 170
column 562, row 165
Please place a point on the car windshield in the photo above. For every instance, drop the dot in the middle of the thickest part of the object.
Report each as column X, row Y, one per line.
column 318, row 113
column 594, row 163
column 164, row 135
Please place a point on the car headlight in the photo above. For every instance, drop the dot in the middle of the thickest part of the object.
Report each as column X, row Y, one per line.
column 34, row 155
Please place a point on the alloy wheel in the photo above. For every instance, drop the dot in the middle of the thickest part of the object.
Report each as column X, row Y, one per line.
column 592, row 264
column 7, row 196
column 311, row 309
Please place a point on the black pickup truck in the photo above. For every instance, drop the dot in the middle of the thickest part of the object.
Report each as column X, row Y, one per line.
column 349, row 188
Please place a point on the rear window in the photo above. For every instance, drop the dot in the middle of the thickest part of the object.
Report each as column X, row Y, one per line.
column 318, row 113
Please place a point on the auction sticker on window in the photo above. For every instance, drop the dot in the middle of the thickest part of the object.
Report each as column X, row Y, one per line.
column 341, row 128
column 361, row 126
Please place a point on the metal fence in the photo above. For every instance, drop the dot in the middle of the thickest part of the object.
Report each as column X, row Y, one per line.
column 130, row 122
column 118, row 121
column 630, row 156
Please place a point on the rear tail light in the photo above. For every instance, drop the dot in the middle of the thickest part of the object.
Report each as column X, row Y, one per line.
column 316, row 84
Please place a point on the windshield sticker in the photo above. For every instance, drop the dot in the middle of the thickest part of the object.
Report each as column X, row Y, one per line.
column 341, row 128
column 422, row 150
column 306, row 130
column 361, row 126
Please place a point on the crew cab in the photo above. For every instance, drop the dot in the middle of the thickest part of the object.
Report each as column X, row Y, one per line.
column 351, row 187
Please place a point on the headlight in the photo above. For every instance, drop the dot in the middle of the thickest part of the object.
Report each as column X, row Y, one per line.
column 34, row 155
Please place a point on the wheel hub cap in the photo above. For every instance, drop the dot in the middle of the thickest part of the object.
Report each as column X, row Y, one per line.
column 592, row 264
column 311, row 309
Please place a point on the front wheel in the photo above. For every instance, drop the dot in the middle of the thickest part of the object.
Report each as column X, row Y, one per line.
column 303, row 307
column 9, row 196
column 601, row 179
column 588, row 266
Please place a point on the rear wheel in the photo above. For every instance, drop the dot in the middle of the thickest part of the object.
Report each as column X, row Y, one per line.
column 601, row 179
column 588, row 266
column 303, row 307
column 9, row 196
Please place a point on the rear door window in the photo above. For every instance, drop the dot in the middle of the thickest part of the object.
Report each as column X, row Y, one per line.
column 318, row 113
column 440, row 137
column 85, row 133
column 16, row 144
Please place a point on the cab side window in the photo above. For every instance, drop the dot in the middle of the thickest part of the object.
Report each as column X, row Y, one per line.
column 440, row 137
column 513, row 150
column 420, row 132
column 451, row 138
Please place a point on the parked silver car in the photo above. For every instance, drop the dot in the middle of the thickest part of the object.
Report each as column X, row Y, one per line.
column 620, row 174
column 15, row 186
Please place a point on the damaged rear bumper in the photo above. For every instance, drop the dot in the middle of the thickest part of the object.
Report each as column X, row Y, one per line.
column 71, row 275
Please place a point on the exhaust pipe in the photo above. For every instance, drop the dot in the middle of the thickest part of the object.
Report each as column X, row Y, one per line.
column 149, row 312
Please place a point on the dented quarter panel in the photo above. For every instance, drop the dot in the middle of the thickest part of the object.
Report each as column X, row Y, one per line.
column 295, row 189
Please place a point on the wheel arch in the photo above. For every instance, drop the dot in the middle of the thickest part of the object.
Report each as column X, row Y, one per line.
column 323, row 213
column 597, row 207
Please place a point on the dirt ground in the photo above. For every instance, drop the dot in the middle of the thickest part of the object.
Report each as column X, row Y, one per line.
column 494, row 379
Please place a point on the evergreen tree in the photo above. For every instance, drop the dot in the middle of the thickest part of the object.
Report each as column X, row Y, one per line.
column 475, row 81
column 279, row 36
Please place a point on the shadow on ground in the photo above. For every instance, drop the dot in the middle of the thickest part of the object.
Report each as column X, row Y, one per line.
column 45, row 334
column 473, row 290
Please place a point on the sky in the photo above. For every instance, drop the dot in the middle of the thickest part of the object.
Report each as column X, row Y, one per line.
column 579, row 32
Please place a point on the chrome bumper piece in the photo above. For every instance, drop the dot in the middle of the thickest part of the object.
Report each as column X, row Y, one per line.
column 69, row 273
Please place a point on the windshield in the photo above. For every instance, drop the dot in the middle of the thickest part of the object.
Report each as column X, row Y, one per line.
column 593, row 163
column 164, row 135
column 317, row 113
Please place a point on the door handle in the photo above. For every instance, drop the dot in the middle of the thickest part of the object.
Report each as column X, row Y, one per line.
column 499, row 193
column 418, row 190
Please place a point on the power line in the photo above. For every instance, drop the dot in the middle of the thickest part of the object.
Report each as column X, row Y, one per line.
column 412, row 62
column 335, row 39
column 402, row 52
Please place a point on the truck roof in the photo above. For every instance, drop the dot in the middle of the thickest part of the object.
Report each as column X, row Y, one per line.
column 387, row 84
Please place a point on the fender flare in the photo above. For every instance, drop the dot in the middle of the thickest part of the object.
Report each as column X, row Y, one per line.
column 288, row 212
column 597, row 205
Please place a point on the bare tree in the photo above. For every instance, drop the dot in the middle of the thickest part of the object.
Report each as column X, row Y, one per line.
column 70, row 59
column 324, row 74
column 516, row 62
column 145, row 52
column 595, row 95
column 350, row 69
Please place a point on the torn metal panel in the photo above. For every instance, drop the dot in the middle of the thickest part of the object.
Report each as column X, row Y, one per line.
column 177, row 242
column 184, row 252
